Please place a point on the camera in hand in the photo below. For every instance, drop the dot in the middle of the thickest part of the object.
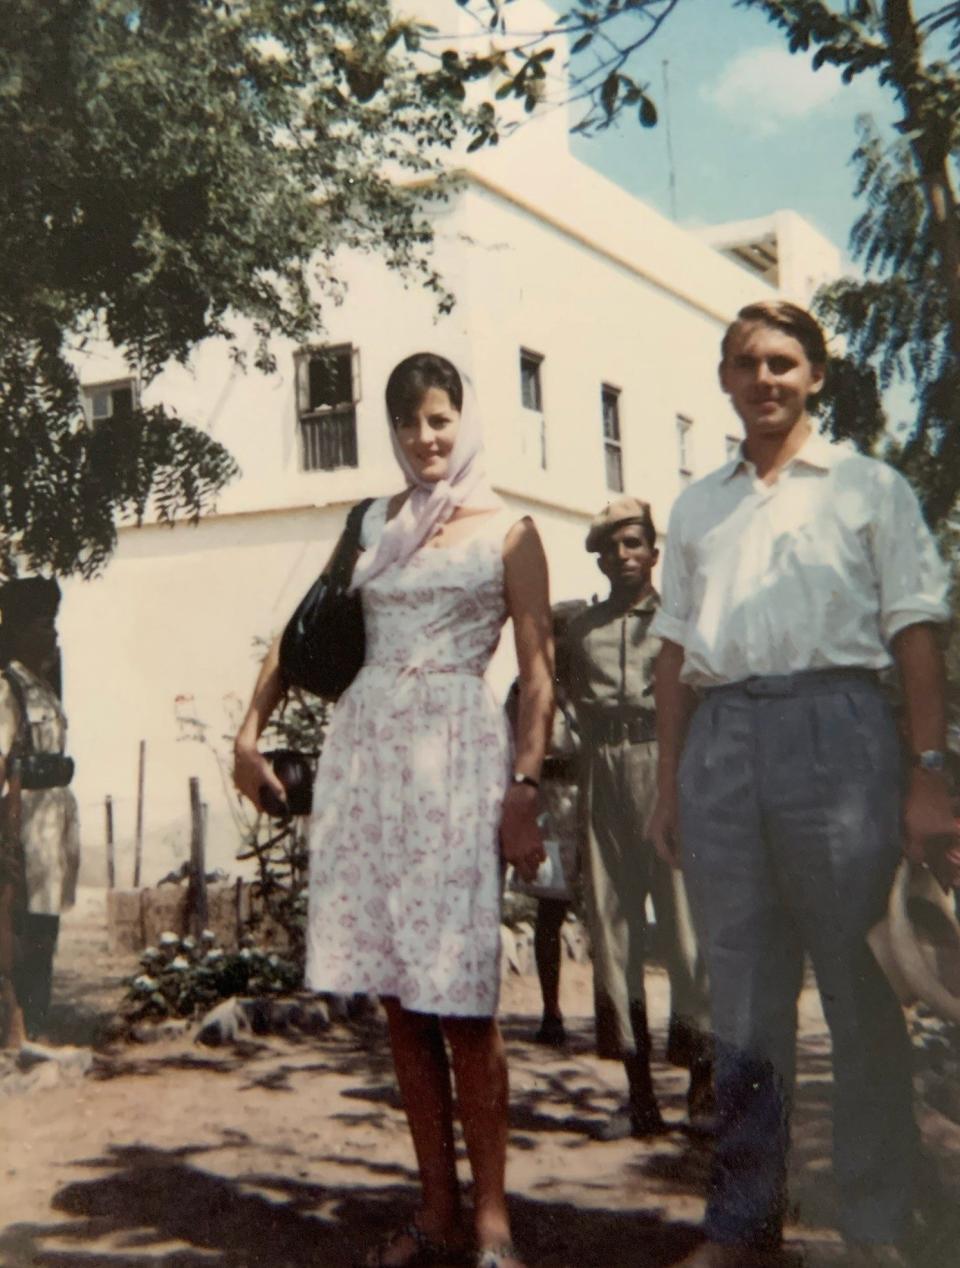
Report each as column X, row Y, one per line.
column 295, row 771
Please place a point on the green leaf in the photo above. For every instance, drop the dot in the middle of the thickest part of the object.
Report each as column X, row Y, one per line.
column 608, row 92
column 647, row 113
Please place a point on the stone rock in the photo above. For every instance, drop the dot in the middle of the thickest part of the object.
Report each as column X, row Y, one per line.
column 157, row 1031
column 238, row 1017
column 225, row 1024
column 36, row 1067
column 516, row 946
column 43, row 1077
column 75, row 1061
column 574, row 941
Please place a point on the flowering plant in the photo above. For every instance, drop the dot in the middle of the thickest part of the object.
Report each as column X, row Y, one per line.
column 184, row 977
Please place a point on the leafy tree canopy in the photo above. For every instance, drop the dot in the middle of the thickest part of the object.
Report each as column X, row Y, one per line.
column 168, row 166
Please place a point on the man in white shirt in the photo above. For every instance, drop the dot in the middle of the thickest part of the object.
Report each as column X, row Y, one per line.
column 792, row 575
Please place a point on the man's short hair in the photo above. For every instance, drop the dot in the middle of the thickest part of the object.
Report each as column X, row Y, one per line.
column 790, row 318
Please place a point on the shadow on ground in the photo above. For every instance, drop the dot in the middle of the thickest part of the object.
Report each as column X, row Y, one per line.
column 160, row 1208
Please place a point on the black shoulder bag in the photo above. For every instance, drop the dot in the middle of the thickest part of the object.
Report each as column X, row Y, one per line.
column 323, row 645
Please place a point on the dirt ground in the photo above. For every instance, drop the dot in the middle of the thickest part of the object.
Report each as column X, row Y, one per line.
column 291, row 1154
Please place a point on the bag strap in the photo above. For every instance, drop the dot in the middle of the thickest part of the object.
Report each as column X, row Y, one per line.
column 11, row 825
column 24, row 741
column 348, row 547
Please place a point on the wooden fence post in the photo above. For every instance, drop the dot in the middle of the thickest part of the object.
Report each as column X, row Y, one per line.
column 197, row 888
column 111, row 863
column 138, row 844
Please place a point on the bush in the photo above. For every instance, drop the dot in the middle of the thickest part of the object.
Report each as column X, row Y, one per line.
column 185, row 977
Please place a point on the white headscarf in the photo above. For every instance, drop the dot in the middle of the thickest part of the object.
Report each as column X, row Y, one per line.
column 432, row 503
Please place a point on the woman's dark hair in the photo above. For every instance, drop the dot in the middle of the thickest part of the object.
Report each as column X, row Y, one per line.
column 414, row 376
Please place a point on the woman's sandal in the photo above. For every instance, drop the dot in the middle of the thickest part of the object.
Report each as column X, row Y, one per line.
column 496, row 1256
column 423, row 1251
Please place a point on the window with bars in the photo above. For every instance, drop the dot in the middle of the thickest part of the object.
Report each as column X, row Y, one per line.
column 327, row 407
column 685, row 447
column 531, row 392
column 612, row 445
column 116, row 399
column 534, row 439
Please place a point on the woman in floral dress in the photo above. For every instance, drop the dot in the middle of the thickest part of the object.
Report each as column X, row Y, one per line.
column 419, row 793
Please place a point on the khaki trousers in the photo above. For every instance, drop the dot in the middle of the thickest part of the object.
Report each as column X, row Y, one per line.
column 620, row 869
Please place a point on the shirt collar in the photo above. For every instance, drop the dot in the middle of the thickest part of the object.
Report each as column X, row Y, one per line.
column 817, row 451
column 648, row 603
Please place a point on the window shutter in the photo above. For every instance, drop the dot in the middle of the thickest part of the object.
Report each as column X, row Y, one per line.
column 302, row 363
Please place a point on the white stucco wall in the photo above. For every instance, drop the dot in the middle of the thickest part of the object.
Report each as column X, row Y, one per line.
column 564, row 264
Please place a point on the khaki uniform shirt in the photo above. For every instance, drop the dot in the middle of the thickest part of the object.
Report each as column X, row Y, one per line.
column 611, row 655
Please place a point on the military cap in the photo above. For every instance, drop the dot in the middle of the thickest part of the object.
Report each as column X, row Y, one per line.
column 623, row 510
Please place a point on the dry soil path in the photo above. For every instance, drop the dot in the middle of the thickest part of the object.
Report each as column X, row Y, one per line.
column 292, row 1154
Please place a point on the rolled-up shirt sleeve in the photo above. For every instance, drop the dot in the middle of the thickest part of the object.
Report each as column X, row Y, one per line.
column 912, row 578
column 675, row 585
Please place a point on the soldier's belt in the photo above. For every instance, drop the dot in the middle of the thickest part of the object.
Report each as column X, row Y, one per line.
column 624, row 728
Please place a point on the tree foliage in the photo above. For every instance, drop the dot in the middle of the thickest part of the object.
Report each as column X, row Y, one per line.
column 603, row 37
column 170, row 165
column 901, row 322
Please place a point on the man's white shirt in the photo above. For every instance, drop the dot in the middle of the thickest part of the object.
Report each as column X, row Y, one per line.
column 819, row 570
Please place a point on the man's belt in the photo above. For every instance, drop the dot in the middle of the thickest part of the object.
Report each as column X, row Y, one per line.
column 805, row 682
column 639, row 727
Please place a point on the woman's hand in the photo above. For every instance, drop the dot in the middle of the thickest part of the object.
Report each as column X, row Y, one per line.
column 251, row 771
column 520, row 839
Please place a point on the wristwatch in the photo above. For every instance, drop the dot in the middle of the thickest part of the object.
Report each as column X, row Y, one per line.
column 520, row 778
column 933, row 760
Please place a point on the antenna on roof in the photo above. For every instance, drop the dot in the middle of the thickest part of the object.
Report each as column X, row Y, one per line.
column 670, row 159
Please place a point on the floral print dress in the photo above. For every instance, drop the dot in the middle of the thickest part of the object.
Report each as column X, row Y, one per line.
column 405, row 874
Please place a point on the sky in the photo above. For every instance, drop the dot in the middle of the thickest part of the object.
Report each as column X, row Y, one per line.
column 754, row 128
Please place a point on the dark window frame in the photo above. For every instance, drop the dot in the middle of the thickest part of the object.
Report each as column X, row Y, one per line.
column 531, row 364
column 128, row 387
column 684, row 457
column 327, row 394
column 612, row 436
column 530, row 367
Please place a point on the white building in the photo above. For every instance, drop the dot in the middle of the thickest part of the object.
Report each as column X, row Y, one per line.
column 590, row 326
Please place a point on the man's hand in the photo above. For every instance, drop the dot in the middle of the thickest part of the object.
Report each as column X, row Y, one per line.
column 520, row 839
column 663, row 828
column 932, row 832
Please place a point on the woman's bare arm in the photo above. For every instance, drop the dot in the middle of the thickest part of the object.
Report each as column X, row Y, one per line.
column 528, row 602
column 251, row 770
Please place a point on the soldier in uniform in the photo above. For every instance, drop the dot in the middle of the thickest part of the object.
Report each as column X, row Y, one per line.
column 608, row 677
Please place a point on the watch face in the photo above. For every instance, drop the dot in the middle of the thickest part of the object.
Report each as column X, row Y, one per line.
column 933, row 760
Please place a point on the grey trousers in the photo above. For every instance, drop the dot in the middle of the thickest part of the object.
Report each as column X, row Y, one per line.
column 620, row 869
column 790, row 827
